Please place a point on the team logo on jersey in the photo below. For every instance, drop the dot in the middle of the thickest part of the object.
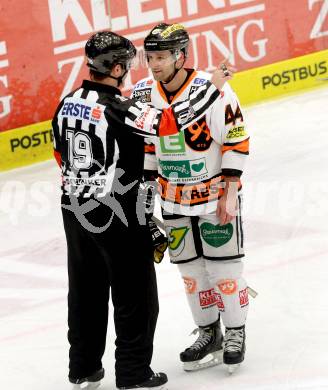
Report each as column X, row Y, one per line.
column 173, row 144
column 228, row 286
column 177, row 239
column 216, row 235
column 183, row 169
column 190, row 284
column 198, row 136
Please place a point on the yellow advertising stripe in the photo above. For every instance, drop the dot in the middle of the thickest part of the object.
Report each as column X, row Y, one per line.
column 30, row 144
column 280, row 78
column 25, row 145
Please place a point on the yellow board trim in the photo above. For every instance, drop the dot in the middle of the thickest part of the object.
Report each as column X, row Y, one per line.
column 31, row 144
column 281, row 78
column 25, row 145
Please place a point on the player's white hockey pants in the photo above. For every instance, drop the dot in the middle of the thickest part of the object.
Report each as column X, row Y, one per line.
column 209, row 258
column 213, row 286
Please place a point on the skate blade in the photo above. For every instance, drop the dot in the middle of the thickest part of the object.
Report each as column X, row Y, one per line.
column 212, row 359
column 162, row 387
column 232, row 368
column 86, row 386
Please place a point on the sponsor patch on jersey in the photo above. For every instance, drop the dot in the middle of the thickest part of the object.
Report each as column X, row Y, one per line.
column 173, row 144
column 207, row 298
column 243, row 297
column 219, row 302
column 78, row 109
column 199, row 81
column 216, row 235
column 183, row 169
column 143, row 84
column 236, row 132
column 191, row 194
column 143, row 95
column 145, row 118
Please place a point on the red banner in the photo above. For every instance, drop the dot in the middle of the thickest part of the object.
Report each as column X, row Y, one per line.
column 42, row 41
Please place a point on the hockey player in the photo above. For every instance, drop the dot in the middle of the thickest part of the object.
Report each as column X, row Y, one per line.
column 199, row 183
column 101, row 157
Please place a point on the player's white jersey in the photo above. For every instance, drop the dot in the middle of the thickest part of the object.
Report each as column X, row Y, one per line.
column 191, row 164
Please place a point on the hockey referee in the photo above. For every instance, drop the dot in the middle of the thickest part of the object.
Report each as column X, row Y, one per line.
column 98, row 147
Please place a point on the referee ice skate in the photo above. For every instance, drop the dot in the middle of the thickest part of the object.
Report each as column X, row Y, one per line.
column 98, row 147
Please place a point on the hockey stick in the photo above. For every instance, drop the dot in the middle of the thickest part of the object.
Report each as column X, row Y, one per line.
column 160, row 224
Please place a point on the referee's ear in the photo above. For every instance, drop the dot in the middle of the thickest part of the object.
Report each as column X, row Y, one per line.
column 117, row 70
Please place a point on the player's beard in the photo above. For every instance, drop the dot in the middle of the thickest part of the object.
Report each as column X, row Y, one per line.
column 163, row 74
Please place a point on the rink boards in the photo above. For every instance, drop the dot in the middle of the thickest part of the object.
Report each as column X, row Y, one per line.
column 30, row 144
column 274, row 80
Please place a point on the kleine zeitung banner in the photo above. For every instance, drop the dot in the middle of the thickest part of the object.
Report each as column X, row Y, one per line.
column 42, row 41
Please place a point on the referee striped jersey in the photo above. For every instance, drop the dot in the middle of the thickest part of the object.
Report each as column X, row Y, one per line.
column 97, row 135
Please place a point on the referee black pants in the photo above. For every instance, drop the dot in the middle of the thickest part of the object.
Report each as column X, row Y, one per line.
column 121, row 260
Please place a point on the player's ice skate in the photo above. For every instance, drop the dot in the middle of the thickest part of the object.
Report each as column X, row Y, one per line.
column 89, row 383
column 206, row 351
column 234, row 348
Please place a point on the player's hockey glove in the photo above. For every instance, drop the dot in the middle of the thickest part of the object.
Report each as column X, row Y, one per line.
column 160, row 242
